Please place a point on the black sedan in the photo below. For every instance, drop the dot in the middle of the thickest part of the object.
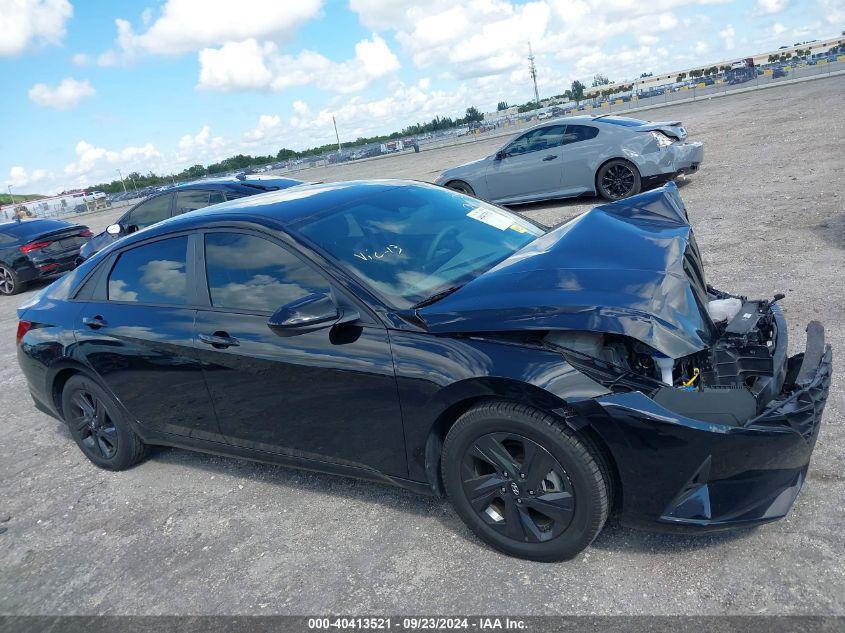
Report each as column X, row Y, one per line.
column 180, row 199
column 404, row 333
column 37, row 249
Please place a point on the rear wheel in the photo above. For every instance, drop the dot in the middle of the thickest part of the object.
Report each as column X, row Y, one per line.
column 461, row 186
column 98, row 427
column 10, row 284
column 618, row 179
column 524, row 482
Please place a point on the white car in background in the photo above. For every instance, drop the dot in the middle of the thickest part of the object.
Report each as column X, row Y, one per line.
column 615, row 157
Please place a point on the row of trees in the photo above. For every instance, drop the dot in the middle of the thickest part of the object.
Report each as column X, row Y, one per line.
column 245, row 161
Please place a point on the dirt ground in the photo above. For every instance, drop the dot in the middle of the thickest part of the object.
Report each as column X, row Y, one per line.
column 185, row 533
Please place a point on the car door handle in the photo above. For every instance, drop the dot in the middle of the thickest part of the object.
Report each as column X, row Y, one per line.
column 95, row 322
column 219, row 340
column 550, row 157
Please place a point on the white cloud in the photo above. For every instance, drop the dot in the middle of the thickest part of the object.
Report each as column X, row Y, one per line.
column 251, row 65
column 201, row 147
column 701, row 48
column 65, row 96
column 20, row 177
column 236, row 66
column 266, row 124
column 25, row 22
column 770, row 7
column 93, row 161
column 778, row 28
column 190, row 25
column 728, row 34
column 833, row 11
column 81, row 59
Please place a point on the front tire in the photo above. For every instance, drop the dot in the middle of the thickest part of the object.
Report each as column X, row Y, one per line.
column 10, row 283
column 461, row 187
column 524, row 482
column 98, row 426
column 618, row 179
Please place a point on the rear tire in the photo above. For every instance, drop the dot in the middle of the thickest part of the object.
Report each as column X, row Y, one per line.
column 98, row 426
column 461, row 187
column 524, row 482
column 10, row 283
column 618, row 179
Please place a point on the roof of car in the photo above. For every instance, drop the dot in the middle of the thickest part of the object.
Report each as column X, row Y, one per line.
column 282, row 207
column 234, row 182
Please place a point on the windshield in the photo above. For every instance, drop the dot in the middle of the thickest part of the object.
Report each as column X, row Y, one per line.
column 411, row 242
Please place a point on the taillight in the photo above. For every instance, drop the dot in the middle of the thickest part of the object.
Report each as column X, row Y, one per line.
column 23, row 328
column 34, row 246
column 662, row 139
column 86, row 233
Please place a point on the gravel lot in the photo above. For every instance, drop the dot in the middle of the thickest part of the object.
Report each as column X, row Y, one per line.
column 185, row 533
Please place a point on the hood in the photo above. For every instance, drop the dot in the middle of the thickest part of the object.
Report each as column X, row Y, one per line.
column 469, row 167
column 631, row 267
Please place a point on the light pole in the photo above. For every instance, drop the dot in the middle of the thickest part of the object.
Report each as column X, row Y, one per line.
column 10, row 194
column 336, row 135
column 122, row 182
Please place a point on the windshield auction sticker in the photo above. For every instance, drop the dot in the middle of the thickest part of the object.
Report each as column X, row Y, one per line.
column 491, row 217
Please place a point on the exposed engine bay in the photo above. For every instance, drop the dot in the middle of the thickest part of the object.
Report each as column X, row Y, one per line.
column 730, row 382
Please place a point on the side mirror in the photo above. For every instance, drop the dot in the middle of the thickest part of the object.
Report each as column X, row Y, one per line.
column 312, row 312
column 113, row 229
column 500, row 154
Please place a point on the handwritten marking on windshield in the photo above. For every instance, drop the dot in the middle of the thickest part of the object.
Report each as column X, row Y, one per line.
column 390, row 249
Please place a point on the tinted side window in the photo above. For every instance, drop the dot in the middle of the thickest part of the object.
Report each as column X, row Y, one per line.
column 246, row 272
column 576, row 133
column 153, row 273
column 149, row 212
column 536, row 140
column 189, row 200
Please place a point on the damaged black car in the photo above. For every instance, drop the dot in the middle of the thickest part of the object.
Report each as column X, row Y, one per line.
column 400, row 332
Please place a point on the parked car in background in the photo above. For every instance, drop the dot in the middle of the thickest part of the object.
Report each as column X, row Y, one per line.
column 408, row 334
column 37, row 249
column 612, row 156
column 175, row 200
column 778, row 71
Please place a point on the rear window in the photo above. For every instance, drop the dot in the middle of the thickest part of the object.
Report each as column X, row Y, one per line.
column 623, row 121
column 28, row 228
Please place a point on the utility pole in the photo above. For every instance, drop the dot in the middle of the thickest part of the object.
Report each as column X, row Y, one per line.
column 335, row 133
column 532, row 69
column 122, row 182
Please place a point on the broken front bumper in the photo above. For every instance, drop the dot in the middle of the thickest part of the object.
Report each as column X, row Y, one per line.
column 678, row 473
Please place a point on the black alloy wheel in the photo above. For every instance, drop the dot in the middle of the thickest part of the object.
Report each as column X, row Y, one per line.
column 91, row 421
column 517, row 487
column 525, row 482
column 98, row 425
column 9, row 283
column 618, row 179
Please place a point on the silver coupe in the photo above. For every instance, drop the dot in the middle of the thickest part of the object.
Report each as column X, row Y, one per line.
column 611, row 156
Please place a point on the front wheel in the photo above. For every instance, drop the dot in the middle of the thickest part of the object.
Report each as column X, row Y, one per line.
column 618, row 179
column 461, row 187
column 525, row 483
